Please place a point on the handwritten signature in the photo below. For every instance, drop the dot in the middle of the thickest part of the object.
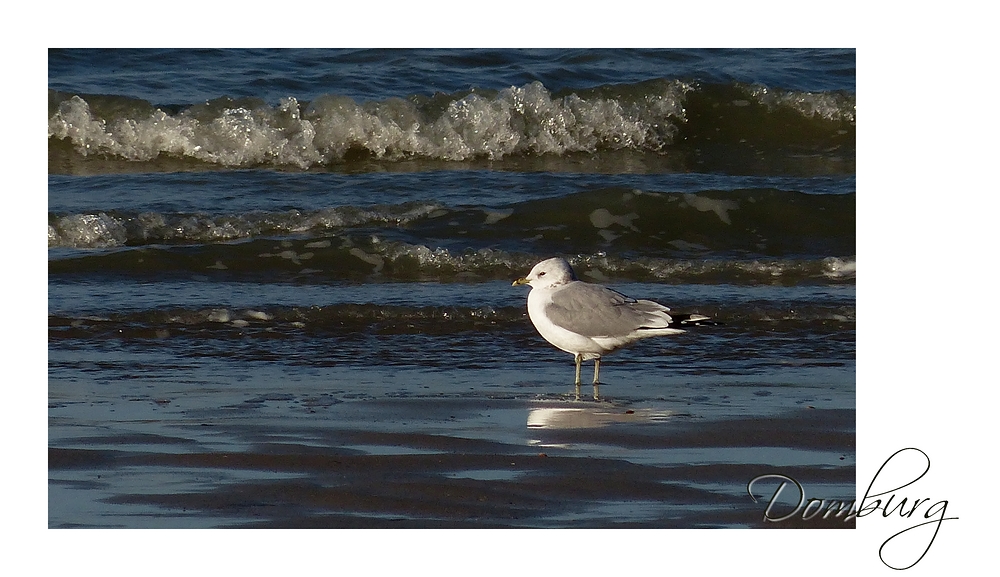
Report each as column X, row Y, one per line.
column 906, row 463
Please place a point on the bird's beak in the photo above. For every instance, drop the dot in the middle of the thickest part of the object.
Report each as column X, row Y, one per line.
column 520, row 281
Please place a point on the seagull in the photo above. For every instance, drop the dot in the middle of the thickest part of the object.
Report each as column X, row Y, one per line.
column 589, row 320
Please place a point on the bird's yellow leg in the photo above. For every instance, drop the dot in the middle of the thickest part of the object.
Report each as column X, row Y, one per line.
column 579, row 359
column 597, row 371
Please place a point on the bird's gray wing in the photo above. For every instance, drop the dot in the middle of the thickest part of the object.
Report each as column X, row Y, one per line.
column 592, row 310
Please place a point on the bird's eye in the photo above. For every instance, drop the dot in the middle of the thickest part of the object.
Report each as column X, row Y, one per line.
column 541, row 273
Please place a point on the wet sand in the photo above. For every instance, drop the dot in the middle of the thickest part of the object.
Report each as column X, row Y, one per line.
column 460, row 461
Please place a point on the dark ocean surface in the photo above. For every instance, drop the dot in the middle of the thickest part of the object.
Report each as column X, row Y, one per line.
column 279, row 285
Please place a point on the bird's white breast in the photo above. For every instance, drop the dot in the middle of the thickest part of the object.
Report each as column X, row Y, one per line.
column 561, row 338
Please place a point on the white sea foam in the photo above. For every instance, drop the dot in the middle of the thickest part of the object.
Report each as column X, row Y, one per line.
column 720, row 207
column 87, row 231
column 526, row 119
column 826, row 105
column 840, row 268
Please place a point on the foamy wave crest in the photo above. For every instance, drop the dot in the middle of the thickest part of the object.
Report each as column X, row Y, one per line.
column 832, row 106
column 516, row 120
column 102, row 230
column 367, row 257
column 87, row 231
